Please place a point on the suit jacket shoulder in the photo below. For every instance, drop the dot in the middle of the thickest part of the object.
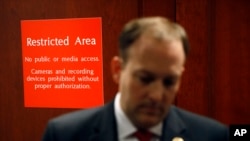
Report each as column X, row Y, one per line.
column 83, row 125
column 194, row 127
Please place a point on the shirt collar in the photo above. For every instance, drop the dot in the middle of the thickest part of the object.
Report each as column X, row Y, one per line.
column 125, row 127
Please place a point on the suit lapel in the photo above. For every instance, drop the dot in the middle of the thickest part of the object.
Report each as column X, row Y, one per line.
column 173, row 126
column 106, row 128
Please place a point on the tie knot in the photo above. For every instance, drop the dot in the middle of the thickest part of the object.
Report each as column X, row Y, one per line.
column 143, row 135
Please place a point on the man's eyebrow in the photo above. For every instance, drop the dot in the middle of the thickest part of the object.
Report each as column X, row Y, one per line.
column 174, row 77
column 144, row 72
column 169, row 75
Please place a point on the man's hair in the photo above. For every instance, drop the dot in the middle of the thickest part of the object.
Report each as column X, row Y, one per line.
column 160, row 25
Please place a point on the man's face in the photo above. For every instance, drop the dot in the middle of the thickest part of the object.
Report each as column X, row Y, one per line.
column 150, row 78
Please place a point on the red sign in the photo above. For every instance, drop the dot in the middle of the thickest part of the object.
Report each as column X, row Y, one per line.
column 62, row 63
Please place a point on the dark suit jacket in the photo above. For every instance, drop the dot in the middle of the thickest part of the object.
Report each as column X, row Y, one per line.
column 99, row 124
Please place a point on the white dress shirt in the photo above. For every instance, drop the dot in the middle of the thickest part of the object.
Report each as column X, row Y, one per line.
column 126, row 128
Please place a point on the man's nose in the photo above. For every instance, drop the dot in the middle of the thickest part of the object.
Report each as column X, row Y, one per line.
column 157, row 91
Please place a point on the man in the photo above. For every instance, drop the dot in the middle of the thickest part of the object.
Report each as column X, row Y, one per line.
column 148, row 71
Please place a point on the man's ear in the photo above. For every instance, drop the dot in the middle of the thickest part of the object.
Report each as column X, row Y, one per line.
column 116, row 68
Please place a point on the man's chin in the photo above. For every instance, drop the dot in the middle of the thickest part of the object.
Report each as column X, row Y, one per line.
column 147, row 121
